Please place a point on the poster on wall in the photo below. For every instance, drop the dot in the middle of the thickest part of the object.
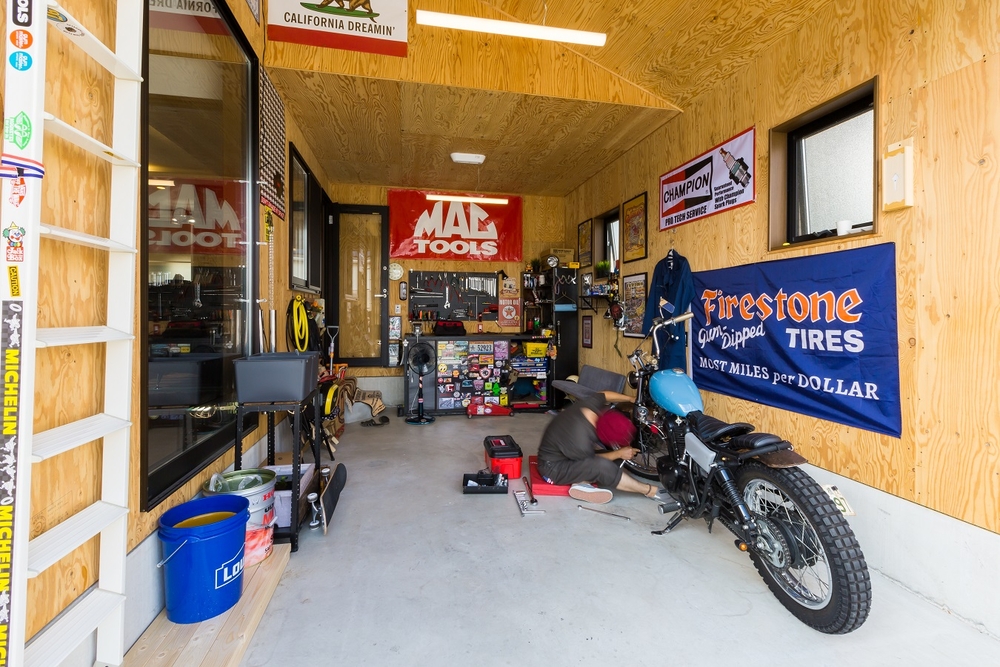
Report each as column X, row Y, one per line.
column 718, row 180
column 272, row 147
column 509, row 303
column 814, row 335
column 368, row 26
column 633, row 217
column 420, row 228
column 634, row 301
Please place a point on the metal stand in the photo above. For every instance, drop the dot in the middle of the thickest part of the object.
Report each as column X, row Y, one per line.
column 242, row 409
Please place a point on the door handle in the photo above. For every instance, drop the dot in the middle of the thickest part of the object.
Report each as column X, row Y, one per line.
column 380, row 296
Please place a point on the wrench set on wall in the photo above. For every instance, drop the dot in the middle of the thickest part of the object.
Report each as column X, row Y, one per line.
column 450, row 295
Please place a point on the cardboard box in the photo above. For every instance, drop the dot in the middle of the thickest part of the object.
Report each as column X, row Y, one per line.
column 565, row 255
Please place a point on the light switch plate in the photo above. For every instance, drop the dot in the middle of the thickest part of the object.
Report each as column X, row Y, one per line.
column 897, row 176
column 399, row 309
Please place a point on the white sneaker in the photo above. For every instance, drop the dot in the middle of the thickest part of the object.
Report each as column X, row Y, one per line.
column 590, row 493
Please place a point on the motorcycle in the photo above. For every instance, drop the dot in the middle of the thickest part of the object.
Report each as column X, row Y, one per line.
column 750, row 482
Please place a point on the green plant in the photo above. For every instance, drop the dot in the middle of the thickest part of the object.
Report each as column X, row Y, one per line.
column 536, row 265
column 602, row 268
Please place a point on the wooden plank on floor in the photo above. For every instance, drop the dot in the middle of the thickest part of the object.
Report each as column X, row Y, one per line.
column 218, row 641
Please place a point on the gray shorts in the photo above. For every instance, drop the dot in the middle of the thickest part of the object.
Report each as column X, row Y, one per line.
column 595, row 469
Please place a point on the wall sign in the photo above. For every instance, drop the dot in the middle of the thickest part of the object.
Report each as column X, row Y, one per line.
column 423, row 229
column 197, row 217
column 717, row 180
column 369, row 26
column 815, row 335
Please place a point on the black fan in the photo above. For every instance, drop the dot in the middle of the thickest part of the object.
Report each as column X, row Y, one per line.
column 420, row 362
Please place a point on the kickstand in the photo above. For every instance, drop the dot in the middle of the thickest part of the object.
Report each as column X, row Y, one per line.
column 676, row 519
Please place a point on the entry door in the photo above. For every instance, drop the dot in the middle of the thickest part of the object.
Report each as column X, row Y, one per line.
column 358, row 283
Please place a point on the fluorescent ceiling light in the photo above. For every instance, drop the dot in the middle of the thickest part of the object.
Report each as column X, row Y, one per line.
column 161, row 182
column 468, row 158
column 471, row 200
column 510, row 28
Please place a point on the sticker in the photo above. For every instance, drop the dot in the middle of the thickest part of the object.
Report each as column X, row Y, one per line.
column 71, row 30
column 15, row 242
column 17, row 130
column 56, row 16
column 15, row 281
column 21, row 61
column 21, row 39
column 12, row 166
column 21, row 12
column 442, row 368
column 18, row 189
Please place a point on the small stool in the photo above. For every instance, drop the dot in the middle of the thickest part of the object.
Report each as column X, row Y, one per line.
column 539, row 486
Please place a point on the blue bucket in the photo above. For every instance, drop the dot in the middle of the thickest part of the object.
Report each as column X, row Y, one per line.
column 203, row 564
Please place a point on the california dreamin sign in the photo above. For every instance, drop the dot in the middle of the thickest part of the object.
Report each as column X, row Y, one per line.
column 369, row 26
column 814, row 335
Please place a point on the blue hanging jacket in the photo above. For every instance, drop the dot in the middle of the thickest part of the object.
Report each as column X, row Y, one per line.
column 672, row 283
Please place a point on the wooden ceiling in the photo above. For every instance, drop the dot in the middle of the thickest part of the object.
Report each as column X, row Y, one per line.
column 547, row 116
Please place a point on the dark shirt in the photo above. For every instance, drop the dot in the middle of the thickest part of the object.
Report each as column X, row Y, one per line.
column 673, row 284
column 571, row 436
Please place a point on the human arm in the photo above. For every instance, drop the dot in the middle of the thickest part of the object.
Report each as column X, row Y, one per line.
column 625, row 454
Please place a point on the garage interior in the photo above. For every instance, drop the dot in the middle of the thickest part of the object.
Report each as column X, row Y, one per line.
column 412, row 570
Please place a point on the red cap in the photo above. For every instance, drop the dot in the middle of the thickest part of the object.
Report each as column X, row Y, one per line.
column 615, row 429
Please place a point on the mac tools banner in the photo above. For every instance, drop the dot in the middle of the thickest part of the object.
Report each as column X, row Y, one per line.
column 423, row 229
column 369, row 26
column 715, row 181
column 815, row 335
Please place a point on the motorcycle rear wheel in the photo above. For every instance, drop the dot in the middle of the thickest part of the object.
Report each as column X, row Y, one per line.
column 826, row 585
column 651, row 447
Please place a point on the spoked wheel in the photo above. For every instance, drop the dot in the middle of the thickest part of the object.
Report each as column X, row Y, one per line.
column 651, row 447
column 808, row 556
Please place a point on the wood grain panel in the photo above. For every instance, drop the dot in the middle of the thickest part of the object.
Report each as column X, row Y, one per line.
column 934, row 85
column 401, row 134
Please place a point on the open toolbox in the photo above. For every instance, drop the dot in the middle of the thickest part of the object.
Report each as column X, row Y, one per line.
column 484, row 482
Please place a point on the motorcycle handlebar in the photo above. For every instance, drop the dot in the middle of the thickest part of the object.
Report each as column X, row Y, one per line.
column 683, row 317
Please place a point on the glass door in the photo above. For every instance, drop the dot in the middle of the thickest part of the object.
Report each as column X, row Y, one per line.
column 359, row 284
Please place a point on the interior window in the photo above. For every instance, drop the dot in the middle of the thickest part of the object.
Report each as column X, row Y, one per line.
column 822, row 173
column 305, row 225
column 199, row 218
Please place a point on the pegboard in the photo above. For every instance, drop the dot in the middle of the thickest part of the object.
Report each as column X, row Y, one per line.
column 450, row 295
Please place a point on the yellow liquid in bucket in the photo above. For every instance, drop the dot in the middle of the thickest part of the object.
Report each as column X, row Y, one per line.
column 204, row 519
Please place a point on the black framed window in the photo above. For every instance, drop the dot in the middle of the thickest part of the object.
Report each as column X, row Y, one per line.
column 831, row 173
column 305, row 225
column 200, row 165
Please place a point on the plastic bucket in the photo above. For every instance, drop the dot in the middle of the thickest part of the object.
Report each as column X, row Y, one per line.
column 203, row 562
column 257, row 486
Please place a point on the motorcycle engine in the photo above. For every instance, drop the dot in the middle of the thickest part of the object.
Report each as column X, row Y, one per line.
column 672, row 475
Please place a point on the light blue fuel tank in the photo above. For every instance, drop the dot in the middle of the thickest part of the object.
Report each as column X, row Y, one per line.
column 675, row 392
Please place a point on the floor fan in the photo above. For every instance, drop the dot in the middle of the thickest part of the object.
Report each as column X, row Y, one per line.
column 420, row 362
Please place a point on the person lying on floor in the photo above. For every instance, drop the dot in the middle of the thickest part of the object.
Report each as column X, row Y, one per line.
column 574, row 450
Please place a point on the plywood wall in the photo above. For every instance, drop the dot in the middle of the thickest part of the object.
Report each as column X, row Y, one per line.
column 938, row 83
column 542, row 230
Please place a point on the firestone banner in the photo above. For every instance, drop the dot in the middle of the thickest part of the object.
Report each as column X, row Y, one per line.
column 715, row 181
column 369, row 26
column 423, row 229
column 814, row 335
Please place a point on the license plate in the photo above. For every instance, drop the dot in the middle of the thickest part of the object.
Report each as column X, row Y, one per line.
column 838, row 499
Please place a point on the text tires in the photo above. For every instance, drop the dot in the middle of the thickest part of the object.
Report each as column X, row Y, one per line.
column 824, row 580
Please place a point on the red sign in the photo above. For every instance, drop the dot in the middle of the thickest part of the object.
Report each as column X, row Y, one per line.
column 467, row 231
column 205, row 217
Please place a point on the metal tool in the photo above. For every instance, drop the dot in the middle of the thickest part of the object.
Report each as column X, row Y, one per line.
column 447, row 298
column 522, row 504
column 527, row 487
column 420, row 292
column 591, row 509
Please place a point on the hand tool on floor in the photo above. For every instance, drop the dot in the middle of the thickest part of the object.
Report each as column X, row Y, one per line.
column 531, row 494
column 591, row 509
column 522, row 504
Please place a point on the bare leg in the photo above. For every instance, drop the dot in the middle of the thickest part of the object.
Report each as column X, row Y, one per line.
column 627, row 483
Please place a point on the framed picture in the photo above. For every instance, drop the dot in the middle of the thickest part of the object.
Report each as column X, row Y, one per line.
column 633, row 216
column 634, row 302
column 588, row 331
column 585, row 242
column 395, row 327
column 586, row 282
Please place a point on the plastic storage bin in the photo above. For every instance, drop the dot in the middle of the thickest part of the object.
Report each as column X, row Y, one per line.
column 535, row 349
column 503, row 455
column 280, row 377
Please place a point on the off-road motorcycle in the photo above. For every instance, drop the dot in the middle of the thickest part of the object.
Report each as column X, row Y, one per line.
column 750, row 482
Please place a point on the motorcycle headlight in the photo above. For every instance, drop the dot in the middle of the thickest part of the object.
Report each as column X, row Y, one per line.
column 633, row 379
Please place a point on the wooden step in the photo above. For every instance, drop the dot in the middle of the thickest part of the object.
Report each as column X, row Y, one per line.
column 218, row 642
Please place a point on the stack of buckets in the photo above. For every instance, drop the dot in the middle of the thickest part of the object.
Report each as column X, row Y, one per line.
column 208, row 541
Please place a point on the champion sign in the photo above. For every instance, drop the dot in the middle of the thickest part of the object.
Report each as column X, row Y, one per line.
column 422, row 229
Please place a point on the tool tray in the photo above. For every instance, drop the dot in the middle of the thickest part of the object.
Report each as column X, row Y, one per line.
column 486, row 483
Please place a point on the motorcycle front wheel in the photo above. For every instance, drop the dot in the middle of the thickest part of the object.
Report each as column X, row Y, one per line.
column 822, row 578
column 651, row 447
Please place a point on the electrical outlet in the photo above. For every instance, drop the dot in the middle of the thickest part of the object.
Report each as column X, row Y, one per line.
column 399, row 308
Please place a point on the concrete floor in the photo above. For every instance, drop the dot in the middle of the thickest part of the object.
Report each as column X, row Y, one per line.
column 415, row 573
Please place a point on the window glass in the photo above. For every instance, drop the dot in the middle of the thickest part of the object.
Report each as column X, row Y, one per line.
column 835, row 176
column 611, row 236
column 200, row 145
column 299, row 223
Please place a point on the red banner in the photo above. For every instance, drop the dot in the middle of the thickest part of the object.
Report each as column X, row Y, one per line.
column 467, row 231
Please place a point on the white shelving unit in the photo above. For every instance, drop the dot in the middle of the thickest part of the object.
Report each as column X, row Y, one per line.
column 101, row 609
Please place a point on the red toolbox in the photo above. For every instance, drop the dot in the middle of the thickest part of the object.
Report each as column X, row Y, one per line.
column 503, row 455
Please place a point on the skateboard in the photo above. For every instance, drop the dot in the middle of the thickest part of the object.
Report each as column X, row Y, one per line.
column 332, row 485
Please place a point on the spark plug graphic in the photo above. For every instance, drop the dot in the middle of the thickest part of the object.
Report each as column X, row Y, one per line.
column 738, row 170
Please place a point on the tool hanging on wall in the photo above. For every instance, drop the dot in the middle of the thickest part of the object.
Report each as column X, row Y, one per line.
column 301, row 329
column 271, row 312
